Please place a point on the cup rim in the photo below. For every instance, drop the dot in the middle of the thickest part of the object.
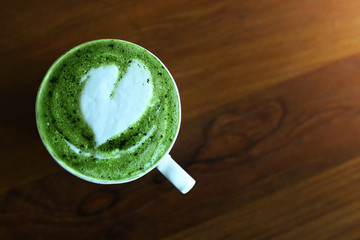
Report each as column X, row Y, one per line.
column 99, row 181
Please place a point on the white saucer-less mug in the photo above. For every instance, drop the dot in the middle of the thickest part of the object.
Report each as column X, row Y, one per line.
column 167, row 166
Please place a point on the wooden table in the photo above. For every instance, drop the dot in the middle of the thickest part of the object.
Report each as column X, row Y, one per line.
column 271, row 121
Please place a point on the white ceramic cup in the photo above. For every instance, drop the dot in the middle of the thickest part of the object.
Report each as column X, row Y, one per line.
column 167, row 166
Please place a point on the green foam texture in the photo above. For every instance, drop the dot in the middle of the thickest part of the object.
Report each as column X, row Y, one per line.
column 59, row 118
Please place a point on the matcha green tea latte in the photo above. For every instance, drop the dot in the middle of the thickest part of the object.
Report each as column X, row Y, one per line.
column 108, row 111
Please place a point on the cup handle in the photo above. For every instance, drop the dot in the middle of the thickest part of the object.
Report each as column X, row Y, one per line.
column 175, row 174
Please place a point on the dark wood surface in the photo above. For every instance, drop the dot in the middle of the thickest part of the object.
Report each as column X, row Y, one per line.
column 271, row 121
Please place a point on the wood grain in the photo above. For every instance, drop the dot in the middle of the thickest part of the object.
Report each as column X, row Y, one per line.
column 271, row 121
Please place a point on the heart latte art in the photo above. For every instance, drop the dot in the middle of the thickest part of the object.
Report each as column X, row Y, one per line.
column 110, row 107
column 108, row 110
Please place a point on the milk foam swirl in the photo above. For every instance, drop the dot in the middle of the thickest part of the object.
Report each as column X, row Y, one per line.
column 110, row 106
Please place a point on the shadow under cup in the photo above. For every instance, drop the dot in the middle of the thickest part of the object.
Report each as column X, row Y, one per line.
column 166, row 165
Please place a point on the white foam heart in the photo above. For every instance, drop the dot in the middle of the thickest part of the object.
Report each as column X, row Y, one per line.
column 109, row 107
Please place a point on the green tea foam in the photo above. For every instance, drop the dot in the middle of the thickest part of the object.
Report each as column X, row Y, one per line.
column 108, row 110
